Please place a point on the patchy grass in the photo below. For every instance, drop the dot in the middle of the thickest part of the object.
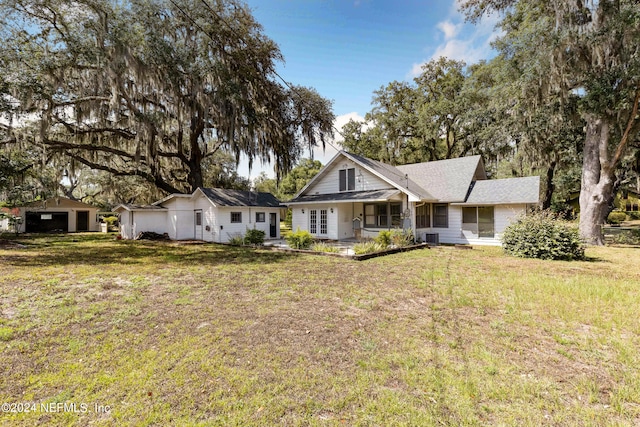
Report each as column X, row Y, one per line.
column 157, row 333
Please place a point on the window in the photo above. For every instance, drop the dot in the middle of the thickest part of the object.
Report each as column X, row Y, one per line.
column 198, row 218
column 260, row 217
column 470, row 219
column 236, row 217
column 323, row 221
column 347, row 178
column 383, row 215
column 46, row 216
column 423, row 216
column 313, row 221
column 478, row 220
column 440, row 216
column 485, row 221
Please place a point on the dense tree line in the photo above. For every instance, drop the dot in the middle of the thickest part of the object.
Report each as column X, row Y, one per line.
column 560, row 99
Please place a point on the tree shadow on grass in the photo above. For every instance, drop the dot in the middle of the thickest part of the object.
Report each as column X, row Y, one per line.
column 100, row 251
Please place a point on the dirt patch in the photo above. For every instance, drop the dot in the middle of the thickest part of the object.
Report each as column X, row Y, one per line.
column 9, row 244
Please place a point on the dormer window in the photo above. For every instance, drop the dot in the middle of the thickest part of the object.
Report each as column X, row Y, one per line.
column 347, row 179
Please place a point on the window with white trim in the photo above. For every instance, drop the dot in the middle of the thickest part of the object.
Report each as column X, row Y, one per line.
column 441, row 216
column 383, row 215
column 236, row 217
column 347, row 179
column 423, row 216
column 479, row 220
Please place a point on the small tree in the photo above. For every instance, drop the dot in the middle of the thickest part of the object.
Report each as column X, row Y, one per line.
column 542, row 235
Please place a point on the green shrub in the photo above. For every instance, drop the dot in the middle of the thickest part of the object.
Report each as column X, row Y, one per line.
column 368, row 247
column 616, row 217
column 401, row 238
column 323, row 247
column 236, row 240
column 110, row 220
column 627, row 237
column 633, row 215
column 542, row 235
column 397, row 238
column 254, row 237
column 383, row 238
column 300, row 239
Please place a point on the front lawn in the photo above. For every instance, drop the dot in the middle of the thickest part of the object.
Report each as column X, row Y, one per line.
column 95, row 331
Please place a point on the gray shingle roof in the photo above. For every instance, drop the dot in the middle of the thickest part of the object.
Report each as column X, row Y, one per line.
column 223, row 197
column 350, row 196
column 446, row 180
column 505, row 191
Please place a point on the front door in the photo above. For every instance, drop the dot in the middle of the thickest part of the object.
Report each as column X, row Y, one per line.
column 273, row 229
column 82, row 221
column 197, row 221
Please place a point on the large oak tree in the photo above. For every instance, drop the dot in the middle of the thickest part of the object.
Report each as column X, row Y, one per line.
column 593, row 50
column 152, row 88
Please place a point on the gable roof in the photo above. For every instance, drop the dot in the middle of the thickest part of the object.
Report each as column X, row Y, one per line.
column 224, row 197
column 393, row 175
column 504, row 191
column 460, row 181
column 386, row 172
column 447, row 180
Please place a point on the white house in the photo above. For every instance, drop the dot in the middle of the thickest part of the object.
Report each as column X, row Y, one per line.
column 57, row 214
column 450, row 201
column 209, row 214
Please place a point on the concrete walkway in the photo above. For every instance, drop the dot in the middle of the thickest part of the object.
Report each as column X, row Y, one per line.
column 345, row 246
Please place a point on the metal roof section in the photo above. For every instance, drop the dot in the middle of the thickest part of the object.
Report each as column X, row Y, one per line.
column 350, row 196
column 504, row 191
column 169, row 197
column 62, row 202
column 133, row 208
column 447, row 180
column 223, row 197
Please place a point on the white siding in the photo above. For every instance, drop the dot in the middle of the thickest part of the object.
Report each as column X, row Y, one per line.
column 330, row 182
column 179, row 221
column 503, row 215
column 345, row 218
column 230, row 229
column 299, row 219
column 180, row 218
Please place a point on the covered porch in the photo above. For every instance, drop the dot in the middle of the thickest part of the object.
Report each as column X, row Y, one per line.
column 351, row 215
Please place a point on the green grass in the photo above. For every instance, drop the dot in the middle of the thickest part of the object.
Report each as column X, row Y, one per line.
column 171, row 334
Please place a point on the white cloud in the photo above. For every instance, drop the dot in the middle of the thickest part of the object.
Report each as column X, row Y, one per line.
column 333, row 148
column 462, row 41
column 449, row 29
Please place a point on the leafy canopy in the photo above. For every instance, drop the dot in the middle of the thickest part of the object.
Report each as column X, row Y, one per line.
column 151, row 88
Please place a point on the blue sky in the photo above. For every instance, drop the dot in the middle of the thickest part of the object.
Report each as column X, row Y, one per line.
column 347, row 49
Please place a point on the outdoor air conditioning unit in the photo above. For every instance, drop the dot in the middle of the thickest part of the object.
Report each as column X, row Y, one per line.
column 431, row 238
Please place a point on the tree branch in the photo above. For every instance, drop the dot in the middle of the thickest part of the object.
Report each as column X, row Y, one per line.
column 102, row 148
column 157, row 181
column 625, row 137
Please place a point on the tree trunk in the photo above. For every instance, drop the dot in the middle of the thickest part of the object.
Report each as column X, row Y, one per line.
column 549, row 187
column 597, row 181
